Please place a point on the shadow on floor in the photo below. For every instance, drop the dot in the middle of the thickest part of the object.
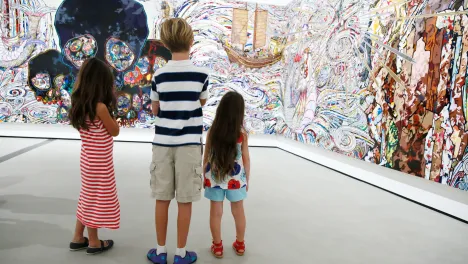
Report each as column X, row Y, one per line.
column 29, row 204
column 9, row 181
column 19, row 233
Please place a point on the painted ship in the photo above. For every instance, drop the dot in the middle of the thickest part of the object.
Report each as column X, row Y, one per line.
column 240, row 21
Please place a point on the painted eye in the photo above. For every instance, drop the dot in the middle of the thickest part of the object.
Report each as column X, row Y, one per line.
column 131, row 77
column 5, row 109
column 137, row 103
column 76, row 45
column 146, row 98
column 41, row 81
column 123, row 104
column 66, row 99
column 59, row 81
column 15, row 92
column 89, row 48
column 159, row 63
column 118, row 54
column 142, row 65
column 79, row 49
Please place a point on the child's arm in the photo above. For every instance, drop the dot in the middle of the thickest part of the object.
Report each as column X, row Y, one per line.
column 202, row 102
column 155, row 107
column 204, row 93
column 109, row 122
column 246, row 156
column 154, row 99
column 206, row 152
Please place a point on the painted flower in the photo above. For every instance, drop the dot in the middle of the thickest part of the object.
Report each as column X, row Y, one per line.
column 208, row 167
column 236, row 170
column 233, row 185
column 207, row 183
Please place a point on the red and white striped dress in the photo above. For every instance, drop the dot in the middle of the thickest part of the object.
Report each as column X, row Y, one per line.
column 98, row 206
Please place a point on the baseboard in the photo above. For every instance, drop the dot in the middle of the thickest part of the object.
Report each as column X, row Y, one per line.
column 451, row 202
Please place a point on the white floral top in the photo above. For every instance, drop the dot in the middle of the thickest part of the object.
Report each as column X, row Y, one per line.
column 236, row 179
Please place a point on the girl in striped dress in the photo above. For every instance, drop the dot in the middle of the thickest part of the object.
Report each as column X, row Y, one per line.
column 93, row 102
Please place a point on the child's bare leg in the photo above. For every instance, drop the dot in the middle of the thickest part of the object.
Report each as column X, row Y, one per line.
column 78, row 237
column 216, row 214
column 94, row 241
column 161, row 216
column 183, row 223
column 237, row 210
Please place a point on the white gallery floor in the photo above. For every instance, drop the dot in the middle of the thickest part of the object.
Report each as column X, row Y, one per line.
column 297, row 211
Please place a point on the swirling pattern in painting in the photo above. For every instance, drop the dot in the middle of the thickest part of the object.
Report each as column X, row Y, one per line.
column 383, row 81
column 323, row 79
column 5, row 110
column 261, row 89
column 39, row 113
column 340, row 47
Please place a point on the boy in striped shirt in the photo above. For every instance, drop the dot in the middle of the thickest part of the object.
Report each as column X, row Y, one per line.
column 178, row 93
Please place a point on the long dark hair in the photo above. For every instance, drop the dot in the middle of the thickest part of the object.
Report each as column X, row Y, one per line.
column 226, row 129
column 94, row 84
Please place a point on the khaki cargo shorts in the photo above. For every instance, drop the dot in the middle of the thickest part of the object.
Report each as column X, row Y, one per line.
column 176, row 172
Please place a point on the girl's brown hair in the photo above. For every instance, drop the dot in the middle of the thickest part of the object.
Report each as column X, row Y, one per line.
column 94, row 84
column 224, row 133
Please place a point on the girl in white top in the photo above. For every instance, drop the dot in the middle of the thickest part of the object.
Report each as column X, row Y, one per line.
column 226, row 166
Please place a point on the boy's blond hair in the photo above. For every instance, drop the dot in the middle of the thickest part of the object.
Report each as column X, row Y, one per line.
column 177, row 35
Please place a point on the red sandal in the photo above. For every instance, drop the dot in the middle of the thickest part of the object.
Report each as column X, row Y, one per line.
column 217, row 249
column 238, row 246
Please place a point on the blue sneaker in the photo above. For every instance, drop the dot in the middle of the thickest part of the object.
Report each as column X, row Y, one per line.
column 157, row 259
column 190, row 258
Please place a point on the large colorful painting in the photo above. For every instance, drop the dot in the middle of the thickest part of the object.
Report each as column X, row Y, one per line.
column 44, row 44
column 380, row 81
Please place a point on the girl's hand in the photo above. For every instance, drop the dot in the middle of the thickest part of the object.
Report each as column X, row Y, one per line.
column 112, row 112
column 109, row 122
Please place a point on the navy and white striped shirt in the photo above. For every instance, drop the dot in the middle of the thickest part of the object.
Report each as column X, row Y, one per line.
column 179, row 86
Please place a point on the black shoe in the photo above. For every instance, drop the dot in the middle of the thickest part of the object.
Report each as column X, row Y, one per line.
column 79, row 246
column 93, row 251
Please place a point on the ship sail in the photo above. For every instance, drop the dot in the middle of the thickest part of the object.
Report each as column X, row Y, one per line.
column 240, row 20
column 261, row 20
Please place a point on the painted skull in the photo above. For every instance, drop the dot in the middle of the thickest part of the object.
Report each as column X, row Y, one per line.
column 51, row 80
column 111, row 30
column 114, row 31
